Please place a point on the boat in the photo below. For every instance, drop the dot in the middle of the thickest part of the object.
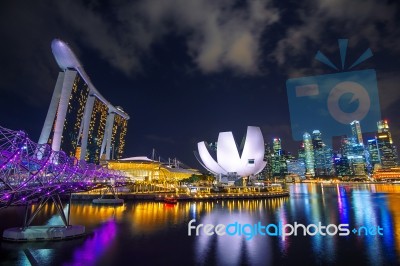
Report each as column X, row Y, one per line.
column 170, row 200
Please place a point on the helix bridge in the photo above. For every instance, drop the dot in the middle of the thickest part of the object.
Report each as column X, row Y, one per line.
column 34, row 173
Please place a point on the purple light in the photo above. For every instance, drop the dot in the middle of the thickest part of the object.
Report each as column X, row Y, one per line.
column 68, row 175
column 89, row 253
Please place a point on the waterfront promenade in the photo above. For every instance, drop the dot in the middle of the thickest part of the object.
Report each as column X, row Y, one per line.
column 159, row 196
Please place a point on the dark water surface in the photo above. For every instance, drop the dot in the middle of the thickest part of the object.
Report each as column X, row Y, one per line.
column 153, row 233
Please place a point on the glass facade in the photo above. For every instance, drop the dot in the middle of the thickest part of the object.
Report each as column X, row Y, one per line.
column 355, row 154
column 309, row 154
column 296, row 167
column 80, row 121
column 322, row 155
column 96, row 131
column 373, row 151
column 267, row 171
column 73, row 119
column 120, row 127
column 279, row 167
column 342, row 167
column 386, row 150
column 383, row 127
column 150, row 170
column 356, row 131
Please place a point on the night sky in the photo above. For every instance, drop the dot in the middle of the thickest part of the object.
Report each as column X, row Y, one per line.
column 186, row 70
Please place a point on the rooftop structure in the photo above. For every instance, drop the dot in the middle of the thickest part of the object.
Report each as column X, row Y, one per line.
column 80, row 121
column 142, row 168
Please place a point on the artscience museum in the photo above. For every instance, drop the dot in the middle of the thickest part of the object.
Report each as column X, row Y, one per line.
column 229, row 161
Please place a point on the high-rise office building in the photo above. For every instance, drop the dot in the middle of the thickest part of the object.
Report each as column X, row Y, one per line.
column 373, row 151
column 266, row 173
column 356, row 132
column 279, row 167
column 301, row 153
column 341, row 164
column 309, row 154
column 354, row 153
column 277, row 145
column 296, row 167
column 317, row 139
column 386, row 150
column 383, row 127
column 80, row 121
column 322, row 155
column 387, row 155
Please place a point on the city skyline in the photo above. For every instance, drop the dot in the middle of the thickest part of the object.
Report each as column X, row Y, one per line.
column 355, row 157
column 365, row 135
column 168, row 78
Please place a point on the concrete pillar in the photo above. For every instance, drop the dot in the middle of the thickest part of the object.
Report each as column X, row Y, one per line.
column 86, row 124
column 51, row 113
column 67, row 84
column 106, row 145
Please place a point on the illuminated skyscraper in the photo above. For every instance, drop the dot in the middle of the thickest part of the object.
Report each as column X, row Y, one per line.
column 309, row 154
column 80, row 121
column 317, row 139
column 301, row 153
column 355, row 154
column 373, row 151
column 383, row 127
column 322, row 155
column 356, row 132
column 386, row 150
column 276, row 156
column 279, row 167
column 65, row 115
column 341, row 164
column 267, row 171
column 296, row 167
column 117, row 144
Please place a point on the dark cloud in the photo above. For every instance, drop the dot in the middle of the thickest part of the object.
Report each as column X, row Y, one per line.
column 99, row 33
column 218, row 34
column 320, row 23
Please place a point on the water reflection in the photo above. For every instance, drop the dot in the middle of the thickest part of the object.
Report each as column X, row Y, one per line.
column 356, row 205
column 95, row 246
column 231, row 250
column 138, row 227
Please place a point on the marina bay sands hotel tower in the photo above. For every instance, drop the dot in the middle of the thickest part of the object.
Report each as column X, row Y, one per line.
column 80, row 121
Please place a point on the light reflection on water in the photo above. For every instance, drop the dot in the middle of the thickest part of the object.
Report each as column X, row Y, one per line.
column 156, row 233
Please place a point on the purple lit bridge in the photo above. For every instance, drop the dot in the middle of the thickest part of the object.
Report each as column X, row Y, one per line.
column 31, row 172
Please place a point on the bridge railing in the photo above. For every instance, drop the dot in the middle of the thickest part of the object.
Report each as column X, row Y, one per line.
column 29, row 171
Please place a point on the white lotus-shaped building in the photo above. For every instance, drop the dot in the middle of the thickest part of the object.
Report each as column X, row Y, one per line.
column 229, row 160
